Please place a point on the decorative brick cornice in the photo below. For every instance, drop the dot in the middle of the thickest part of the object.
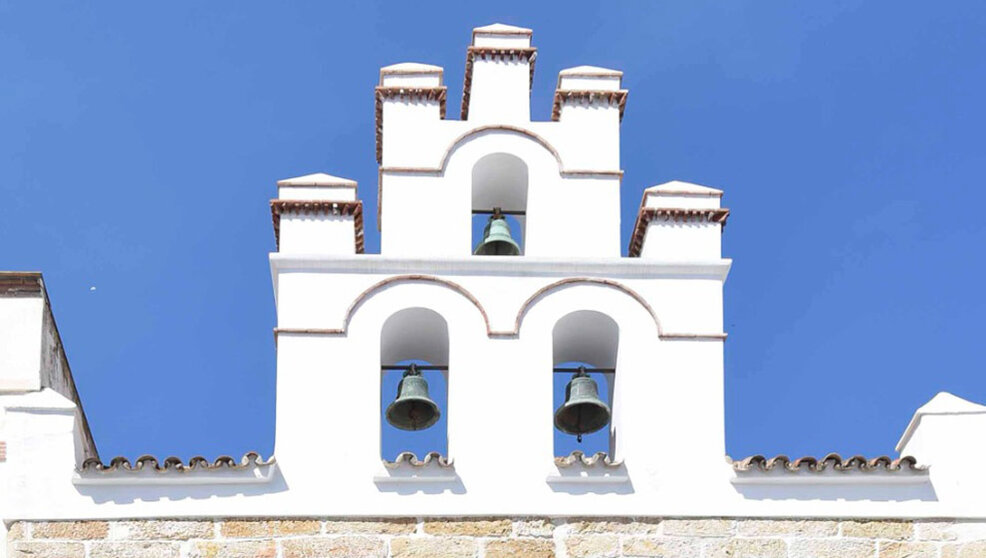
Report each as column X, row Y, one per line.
column 20, row 283
column 759, row 463
column 381, row 92
column 680, row 214
column 493, row 53
column 224, row 462
column 588, row 96
column 324, row 207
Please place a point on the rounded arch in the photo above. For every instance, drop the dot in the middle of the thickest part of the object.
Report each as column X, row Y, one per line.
column 547, row 289
column 514, row 130
column 380, row 285
column 586, row 336
column 500, row 180
column 414, row 333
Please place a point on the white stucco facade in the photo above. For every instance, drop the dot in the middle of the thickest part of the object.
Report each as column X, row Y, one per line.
column 668, row 453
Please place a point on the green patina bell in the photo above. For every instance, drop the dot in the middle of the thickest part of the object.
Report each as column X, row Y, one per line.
column 413, row 409
column 583, row 412
column 496, row 238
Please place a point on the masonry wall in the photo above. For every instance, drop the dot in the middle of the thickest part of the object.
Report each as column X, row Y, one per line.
column 494, row 538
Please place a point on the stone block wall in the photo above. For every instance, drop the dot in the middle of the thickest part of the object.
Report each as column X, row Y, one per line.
column 497, row 538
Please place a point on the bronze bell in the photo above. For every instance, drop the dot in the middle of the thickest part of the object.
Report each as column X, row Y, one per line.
column 583, row 412
column 496, row 238
column 413, row 409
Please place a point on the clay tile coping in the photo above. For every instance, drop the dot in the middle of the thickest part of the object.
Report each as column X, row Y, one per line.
column 834, row 461
column 600, row 459
column 412, row 459
column 172, row 463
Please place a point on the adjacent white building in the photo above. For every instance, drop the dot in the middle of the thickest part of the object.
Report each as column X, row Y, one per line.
column 652, row 322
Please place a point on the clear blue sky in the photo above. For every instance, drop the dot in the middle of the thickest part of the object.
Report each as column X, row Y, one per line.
column 139, row 145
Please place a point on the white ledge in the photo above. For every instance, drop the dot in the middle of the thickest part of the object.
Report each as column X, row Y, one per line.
column 808, row 479
column 502, row 266
column 587, row 480
column 255, row 475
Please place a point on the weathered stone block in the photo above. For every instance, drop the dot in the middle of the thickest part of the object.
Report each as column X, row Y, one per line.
column 594, row 546
column 528, row 548
column 168, row 530
column 698, row 527
column 38, row 549
column 934, row 531
column 403, row 526
column 469, row 527
column 786, row 528
column 324, row 547
column 79, row 530
column 433, row 547
column 908, row 550
column 272, row 528
column 964, row 550
column 17, row 531
column 747, row 548
column 662, row 547
column 233, row 549
column 137, row 549
column 831, row 548
column 614, row 526
column 894, row 530
column 534, row 528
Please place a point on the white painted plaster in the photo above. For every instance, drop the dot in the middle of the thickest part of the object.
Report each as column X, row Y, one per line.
column 501, row 316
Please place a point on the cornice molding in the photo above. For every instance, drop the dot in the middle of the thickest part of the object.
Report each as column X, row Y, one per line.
column 324, row 207
column 382, row 92
column 588, row 96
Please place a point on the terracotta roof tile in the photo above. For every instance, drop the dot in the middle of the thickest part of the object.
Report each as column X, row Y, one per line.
column 834, row 461
column 600, row 458
column 412, row 459
column 172, row 463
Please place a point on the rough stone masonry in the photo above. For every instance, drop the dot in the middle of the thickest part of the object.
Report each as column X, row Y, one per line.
column 497, row 538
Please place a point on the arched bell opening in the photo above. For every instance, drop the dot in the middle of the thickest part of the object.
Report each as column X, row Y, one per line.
column 499, row 205
column 585, row 344
column 414, row 349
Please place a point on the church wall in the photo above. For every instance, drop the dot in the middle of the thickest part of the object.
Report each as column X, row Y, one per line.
column 533, row 537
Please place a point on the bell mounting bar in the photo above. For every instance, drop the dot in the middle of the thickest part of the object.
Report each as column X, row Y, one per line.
column 408, row 366
column 501, row 212
column 584, row 369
